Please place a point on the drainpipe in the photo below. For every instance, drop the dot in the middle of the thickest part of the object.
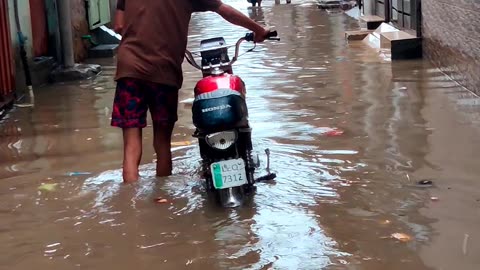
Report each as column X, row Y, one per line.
column 23, row 56
column 65, row 21
column 419, row 18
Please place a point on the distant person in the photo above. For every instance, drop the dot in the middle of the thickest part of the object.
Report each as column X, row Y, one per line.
column 255, row 2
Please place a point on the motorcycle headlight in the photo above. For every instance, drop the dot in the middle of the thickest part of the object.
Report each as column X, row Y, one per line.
column 221, row 140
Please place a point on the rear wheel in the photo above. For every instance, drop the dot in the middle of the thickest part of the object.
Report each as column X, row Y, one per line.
column 231, row 197
column 235, row 196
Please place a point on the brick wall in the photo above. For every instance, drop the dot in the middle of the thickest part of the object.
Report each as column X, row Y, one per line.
column 451, row 31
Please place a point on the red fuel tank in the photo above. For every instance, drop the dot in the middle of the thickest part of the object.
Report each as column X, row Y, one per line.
column 224, row 81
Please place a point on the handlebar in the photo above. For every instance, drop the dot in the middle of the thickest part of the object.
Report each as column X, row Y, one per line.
column 272, row 35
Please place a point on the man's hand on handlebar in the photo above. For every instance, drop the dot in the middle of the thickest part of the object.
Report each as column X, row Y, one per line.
column 261, row 36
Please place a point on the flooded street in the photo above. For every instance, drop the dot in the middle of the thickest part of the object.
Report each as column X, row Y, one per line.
column 350, row 133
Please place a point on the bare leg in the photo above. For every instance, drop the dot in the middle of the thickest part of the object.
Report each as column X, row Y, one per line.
column 132, row 153
column 162, row 142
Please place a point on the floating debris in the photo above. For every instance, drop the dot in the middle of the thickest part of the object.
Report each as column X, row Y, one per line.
column 425, row 183
column 48, row 187
column 185, row 143
column 334, row 133
column 78, row 173
column 465, row 244
column 402, row 237
column 385, row 222
column 161, row 200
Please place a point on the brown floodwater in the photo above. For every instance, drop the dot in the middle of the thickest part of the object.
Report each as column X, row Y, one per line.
column 339, row 196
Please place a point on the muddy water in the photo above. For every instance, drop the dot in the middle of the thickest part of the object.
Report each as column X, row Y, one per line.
column 338, row 197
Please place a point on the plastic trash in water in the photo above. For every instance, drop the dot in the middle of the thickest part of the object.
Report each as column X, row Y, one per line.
column 184, row 143
column 385, row 222
column 334, row 132
column 161, row 200
column 78, row 173
column 48, row 187
column 425, row 183
column 401, row 237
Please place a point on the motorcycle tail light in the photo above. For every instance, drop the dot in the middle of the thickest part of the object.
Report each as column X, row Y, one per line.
column 221, row 140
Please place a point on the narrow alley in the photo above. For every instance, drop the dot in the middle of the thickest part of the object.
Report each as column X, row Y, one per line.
column 351, row 135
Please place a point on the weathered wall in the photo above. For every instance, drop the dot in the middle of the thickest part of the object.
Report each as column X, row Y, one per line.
column 451, row 31
column 113, row 8
column 80, row 28
column 7, row 70
column 39, row 27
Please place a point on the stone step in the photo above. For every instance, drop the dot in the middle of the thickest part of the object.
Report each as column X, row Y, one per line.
column 6, row 103
column 387, row 38
column 105, row 35
column 373, row 22
column 384, row 28
column 41, row 68
column 103, row 51
column 326, row 4
column 402, row 45
column 373, row 39
column 357, row 34
column 336, row 4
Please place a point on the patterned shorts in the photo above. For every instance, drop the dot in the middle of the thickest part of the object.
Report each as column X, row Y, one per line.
column 134, row 97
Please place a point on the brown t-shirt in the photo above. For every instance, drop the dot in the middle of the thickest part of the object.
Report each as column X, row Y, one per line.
column 154, row 38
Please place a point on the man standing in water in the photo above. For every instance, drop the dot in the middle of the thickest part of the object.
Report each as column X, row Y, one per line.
column 255, row 2
column 149, row 71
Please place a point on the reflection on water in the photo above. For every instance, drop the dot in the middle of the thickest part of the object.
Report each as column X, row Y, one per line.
column 324, row 210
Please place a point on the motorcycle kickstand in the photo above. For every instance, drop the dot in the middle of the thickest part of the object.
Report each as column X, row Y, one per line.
column 270, row 175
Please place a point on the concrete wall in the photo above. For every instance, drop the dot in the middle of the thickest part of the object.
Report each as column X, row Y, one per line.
column 369, row 7
column 451, row 31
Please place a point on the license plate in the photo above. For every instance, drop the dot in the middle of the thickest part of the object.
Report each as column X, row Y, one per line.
column 228, row 173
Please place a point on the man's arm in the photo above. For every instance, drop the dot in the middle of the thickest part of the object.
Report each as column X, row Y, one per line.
column 238, row 18
column 119, row 17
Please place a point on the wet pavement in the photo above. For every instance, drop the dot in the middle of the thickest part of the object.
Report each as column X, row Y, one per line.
column 350, row 134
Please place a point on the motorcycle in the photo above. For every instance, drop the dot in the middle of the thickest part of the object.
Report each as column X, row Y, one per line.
column 220, row 115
